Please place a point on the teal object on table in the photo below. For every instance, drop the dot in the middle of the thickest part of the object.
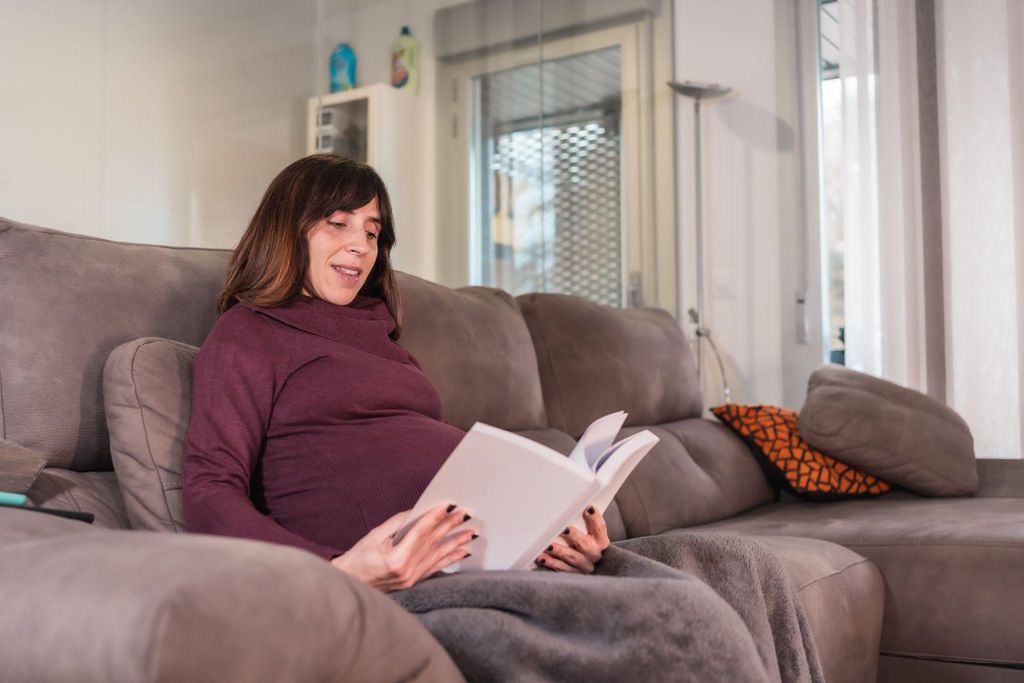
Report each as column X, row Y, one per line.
column 7, row 498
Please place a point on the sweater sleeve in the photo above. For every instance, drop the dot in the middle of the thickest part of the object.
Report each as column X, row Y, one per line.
column 234, row 381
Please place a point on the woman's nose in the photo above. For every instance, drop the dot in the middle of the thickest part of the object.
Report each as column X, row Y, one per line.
column 359, row 245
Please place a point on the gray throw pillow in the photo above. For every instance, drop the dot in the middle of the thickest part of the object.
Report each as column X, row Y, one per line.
column 19, row 467
column 897, row 434
column 147, row 395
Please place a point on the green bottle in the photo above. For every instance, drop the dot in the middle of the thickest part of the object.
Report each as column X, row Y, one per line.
column 405, row 62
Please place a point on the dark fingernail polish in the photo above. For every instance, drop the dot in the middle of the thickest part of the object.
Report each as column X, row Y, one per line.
column 541, row 561
column 450, row 507
column 590, row 510
column 474, row 537
column 466, row 518
column 550, row 548
column 566, row 532
column 468, row 555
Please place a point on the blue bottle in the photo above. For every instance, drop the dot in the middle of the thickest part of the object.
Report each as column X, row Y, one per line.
column 343, row 68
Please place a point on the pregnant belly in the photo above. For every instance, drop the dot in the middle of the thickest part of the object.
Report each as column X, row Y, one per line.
column 337, row 484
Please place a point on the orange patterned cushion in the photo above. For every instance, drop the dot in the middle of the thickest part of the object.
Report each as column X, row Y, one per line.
column 792, row 462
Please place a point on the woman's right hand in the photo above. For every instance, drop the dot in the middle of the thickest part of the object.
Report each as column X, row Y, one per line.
column 429, row 546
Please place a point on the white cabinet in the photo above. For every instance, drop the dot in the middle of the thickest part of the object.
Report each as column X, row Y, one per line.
column 382, row 126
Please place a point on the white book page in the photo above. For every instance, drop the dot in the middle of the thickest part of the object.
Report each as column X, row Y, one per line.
column 616, row 468
column 599, row 462
column 597, row 439
column 515, row 489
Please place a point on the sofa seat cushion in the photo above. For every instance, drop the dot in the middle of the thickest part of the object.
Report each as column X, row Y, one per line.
column 95, row 492
column 952, row 567
column 18, row 525
column 143, row 606
column 842, row 594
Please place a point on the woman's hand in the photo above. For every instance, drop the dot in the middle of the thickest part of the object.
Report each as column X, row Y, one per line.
column 428, row 547
column 583, row 551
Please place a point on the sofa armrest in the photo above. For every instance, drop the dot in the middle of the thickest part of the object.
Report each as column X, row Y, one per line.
column 112, row 605
column 1000, row 478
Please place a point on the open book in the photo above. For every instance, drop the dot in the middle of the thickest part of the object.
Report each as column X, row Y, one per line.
column 522, row 494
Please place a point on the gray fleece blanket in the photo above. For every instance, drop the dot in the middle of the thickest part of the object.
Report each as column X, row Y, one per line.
column 674, row 607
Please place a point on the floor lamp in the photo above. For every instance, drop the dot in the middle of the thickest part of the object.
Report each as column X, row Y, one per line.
column 698, row 92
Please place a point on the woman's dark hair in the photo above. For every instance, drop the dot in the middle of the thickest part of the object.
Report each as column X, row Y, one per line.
column 269, row 266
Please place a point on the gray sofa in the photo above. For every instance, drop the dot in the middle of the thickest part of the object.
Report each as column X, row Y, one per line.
column 901, row 587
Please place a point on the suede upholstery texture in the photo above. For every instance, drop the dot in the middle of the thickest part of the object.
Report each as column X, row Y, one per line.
column 19, row 467
column 474, row 345
column 594, row 360
column 894, row 668
column 952, row 568
column 95, row 492
column 81, row 297
column 589, row 360
column 894, row 433
column 203, row 609
column 842, row 594
column 697, row 473
column 1000, row 478
column 147, row 395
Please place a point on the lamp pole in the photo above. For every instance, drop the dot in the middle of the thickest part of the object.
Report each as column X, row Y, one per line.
column 698, row 92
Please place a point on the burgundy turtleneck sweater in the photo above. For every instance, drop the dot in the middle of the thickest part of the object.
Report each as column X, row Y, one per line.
column 310, row 426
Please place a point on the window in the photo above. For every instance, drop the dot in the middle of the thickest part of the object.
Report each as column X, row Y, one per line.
column 549, row 173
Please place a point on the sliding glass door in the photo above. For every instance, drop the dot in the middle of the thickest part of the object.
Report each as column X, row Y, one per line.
column 547, row 157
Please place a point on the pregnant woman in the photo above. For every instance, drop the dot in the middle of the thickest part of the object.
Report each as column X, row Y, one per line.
column 312, row 427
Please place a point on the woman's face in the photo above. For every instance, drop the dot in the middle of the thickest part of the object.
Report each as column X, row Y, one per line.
column 342, row 251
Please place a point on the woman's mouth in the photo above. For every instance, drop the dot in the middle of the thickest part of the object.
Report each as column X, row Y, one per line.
column 348, row 273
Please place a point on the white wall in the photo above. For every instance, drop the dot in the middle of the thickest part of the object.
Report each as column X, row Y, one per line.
column 370, row 28
column 164, row 122
column 751, row 194
column 149, row 121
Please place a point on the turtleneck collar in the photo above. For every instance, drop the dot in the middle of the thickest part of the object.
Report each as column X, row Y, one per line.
column 365, row 323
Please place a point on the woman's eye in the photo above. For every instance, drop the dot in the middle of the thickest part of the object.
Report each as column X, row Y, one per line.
column 338, row 225
column 371, row 235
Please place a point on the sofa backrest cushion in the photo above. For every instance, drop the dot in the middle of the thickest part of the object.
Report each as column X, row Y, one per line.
column 474, row 346
column 596, row 359
column 699, row 472
column 66, row 301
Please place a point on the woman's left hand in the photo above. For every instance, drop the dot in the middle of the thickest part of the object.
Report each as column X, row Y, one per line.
column 583, row 551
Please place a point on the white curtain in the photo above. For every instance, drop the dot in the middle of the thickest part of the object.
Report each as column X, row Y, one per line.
column 901, row 268
column 858, row 77
column 883, row 285
column 979, row 72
